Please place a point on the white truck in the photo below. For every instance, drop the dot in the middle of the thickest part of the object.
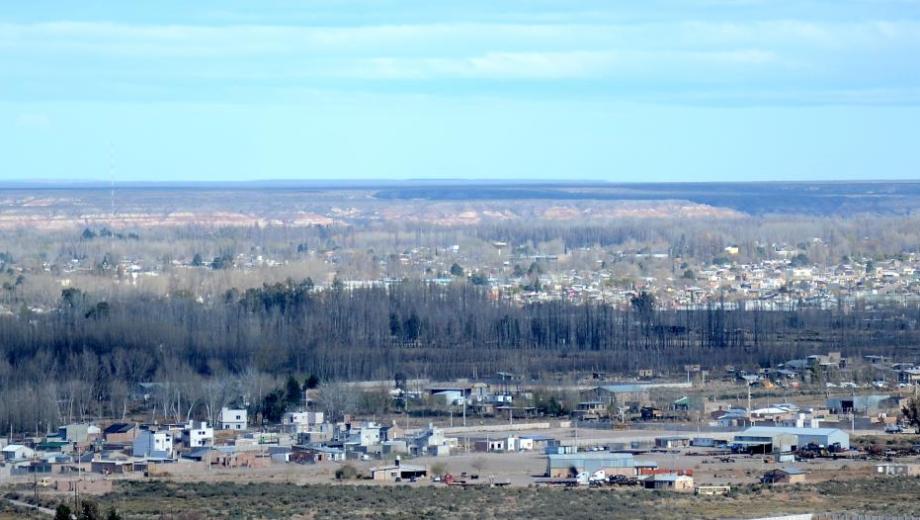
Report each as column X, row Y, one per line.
column 591, row 479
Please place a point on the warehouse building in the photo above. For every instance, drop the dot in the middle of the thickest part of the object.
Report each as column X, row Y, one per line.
column 774, row 439
column 571, row 464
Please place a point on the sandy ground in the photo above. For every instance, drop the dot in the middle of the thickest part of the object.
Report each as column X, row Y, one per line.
column 520, row 468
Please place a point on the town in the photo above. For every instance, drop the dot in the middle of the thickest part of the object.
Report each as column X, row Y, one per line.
column 805, row 420
column 414, row 260
column 766, row 276
column 154, row 341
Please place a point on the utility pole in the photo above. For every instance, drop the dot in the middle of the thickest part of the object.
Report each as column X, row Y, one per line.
column 853, row 412
column 749, row 409
column 575, row 421
column 76, row 484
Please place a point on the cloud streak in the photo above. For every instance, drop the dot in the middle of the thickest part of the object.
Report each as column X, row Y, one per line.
column 782, row 56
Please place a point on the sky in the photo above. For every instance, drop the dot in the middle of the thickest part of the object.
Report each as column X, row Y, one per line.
column 692, row 90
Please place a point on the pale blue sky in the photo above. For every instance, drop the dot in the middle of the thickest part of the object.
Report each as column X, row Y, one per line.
column 693, row 90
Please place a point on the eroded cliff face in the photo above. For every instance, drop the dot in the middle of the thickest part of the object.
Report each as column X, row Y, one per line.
column 139, row 209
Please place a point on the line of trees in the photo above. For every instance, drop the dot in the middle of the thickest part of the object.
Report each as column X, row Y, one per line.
column 85, row 358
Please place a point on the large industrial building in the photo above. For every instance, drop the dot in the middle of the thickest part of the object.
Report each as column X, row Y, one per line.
column 776, row 439
column 571, row 464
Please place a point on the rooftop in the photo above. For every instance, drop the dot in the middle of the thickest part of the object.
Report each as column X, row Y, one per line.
column 401, row 467
column 767, row 431
column 591, row 455
column 119, row 428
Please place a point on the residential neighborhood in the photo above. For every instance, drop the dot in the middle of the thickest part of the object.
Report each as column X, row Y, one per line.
column 649, row 432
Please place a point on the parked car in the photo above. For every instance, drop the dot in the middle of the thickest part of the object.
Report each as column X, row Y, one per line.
column 893, row 428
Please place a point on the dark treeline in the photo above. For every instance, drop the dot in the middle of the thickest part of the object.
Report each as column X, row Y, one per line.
column 84, row 359
column 416, row 329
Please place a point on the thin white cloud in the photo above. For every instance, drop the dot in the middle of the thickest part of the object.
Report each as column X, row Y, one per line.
column 245, row 40
column 556, row 65
column 782, row 55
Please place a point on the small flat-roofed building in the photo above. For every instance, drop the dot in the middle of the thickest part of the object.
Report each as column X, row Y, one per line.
column 784, row 476
column 198, row 454
column 78, row 432
column 14, row 452
column 713, row 489
column 864, row 404
column 898, row 469
column 398, row 472
column 708, row 442
column 450, row 397
column 909, row 376
column 153, row 445
column 393, row 447
column 500, row 444
column 233, row 419
column 316, row 453
column 670, row 482
column 536, row 442
column 230, row 457
column 624, row 393
column 110, row 467
column 196, row 435
column 120, row 433
column 301, row 422
column 672, row 442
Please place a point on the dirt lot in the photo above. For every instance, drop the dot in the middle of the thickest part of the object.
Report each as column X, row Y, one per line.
column 520, row 468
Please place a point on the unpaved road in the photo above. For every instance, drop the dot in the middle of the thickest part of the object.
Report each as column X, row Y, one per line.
column 19, row 503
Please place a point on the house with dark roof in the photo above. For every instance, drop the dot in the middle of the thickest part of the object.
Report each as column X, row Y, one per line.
column 120, row 433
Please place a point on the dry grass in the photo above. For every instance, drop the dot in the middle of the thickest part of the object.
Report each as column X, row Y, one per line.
column 226, row 500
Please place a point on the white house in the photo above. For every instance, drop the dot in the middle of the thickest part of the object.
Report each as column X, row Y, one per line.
column 301, row 422
column 233, row 419
column 17, row 452
column 525, row 443
column 78, row 432
column 153, row 445
column 450, row 397
column 430, row 442
column 364, row 434
column 197, row 435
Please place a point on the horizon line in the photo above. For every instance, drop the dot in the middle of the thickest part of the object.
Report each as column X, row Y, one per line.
column 367, row 183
